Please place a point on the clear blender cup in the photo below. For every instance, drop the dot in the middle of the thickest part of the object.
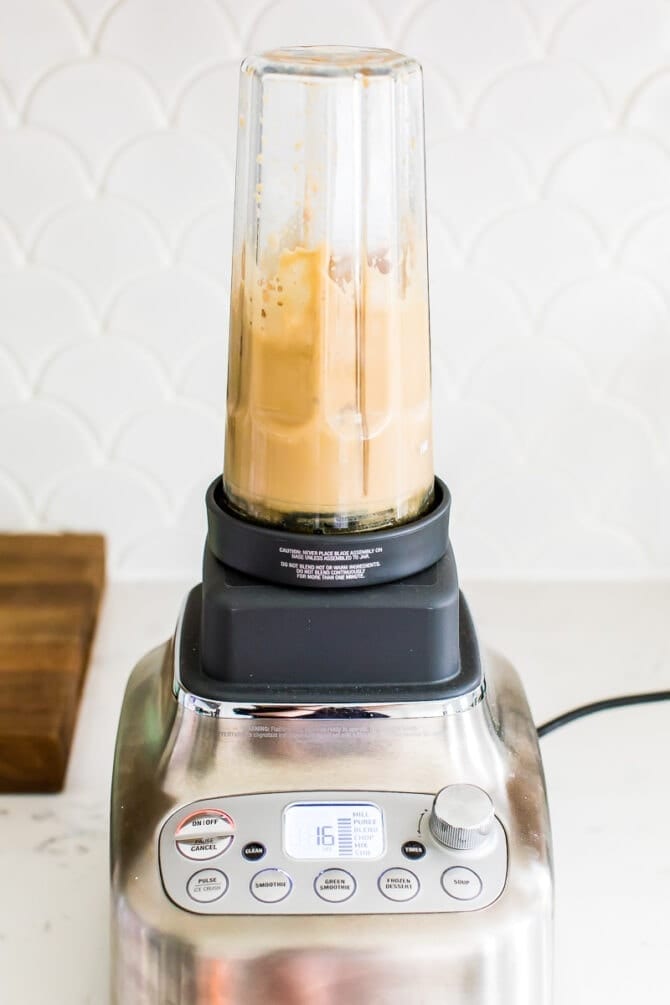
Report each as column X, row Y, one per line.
column 329, row 412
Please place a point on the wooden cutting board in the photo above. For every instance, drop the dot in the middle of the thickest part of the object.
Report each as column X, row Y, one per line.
column 50, row 589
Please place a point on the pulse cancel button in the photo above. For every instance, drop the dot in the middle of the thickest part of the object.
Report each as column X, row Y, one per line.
column 461, row 883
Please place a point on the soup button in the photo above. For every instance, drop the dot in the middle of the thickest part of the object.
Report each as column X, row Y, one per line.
column 461, row 883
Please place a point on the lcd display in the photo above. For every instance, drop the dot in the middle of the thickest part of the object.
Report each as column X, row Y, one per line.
column 333, row 830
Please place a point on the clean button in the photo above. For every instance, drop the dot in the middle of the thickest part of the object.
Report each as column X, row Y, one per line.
column 253, row 851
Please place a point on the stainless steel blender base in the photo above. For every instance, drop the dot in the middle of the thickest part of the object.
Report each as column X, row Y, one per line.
column 173, row 750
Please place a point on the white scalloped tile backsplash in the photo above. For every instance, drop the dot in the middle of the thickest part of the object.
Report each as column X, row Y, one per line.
column 548, row 129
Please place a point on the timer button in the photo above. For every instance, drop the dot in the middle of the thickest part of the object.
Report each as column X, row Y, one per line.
column 413, row 849
column 205, row 834
column 462, row 817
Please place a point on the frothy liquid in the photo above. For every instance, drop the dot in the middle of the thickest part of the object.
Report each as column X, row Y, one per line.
column 329, row 416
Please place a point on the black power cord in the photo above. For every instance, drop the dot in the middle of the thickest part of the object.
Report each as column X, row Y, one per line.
column 601, row 706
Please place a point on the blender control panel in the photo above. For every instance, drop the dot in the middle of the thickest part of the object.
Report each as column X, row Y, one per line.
column 324, row 853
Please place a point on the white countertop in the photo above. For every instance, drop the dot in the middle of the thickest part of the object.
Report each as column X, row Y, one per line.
column 607, row 779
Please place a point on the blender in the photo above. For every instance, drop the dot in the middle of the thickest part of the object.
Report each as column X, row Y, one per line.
column 324, row 790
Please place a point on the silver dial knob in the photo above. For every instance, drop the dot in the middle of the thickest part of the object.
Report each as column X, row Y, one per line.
column 462, row 817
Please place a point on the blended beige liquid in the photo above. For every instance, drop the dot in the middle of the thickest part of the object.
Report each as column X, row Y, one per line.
column 329, row 414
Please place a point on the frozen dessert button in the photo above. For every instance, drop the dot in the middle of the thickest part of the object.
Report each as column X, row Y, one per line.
column 398, row 884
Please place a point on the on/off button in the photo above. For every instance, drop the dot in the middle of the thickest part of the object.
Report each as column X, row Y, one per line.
column 205, row 834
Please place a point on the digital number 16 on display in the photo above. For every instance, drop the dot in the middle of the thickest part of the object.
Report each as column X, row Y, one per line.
column 325, row 838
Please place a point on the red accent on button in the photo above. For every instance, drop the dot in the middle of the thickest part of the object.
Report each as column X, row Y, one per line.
column 204, row 813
